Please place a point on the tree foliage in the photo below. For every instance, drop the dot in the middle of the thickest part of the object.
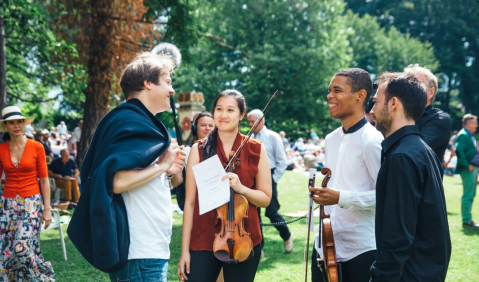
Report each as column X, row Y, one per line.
column 294, row 46
column 378, row 50
column 452, row 27
column 259, row 47
column 31, row 72
column 108, row 34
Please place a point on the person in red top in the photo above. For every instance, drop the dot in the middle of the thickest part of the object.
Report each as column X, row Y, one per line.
column 251, row 178
column 23, row 205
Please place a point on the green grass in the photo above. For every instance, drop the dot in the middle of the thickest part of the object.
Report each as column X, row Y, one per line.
column 284, row 267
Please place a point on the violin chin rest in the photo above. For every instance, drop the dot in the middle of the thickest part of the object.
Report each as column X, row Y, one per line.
column 224, row 256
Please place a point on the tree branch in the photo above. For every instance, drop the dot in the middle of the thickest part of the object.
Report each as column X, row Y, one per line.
column 37, row 100
column 25, row 72
column 220, row 41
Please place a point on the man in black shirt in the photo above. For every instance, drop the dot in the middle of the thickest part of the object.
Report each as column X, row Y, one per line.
column 412, row 232
column 434, row 125
column 65, row 172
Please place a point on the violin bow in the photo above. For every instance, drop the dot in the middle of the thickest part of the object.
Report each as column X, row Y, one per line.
column 311, row 183
column 271, row 101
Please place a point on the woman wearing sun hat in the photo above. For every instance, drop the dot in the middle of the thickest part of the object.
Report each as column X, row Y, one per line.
column 23, row 205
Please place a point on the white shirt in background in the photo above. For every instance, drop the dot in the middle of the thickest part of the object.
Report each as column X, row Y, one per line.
column 274, row 148
column 76, row 135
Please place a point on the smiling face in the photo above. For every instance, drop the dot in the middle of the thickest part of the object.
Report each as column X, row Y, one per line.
column 160, row 94
column 15, row 127
column 205, row 126
column 341, row 100
column 227, row 114
column 380, row 111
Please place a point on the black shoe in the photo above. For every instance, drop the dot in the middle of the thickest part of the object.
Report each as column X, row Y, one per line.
column 471, row 223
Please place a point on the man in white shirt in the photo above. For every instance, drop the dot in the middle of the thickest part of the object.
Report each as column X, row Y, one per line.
column 62, row 128
column 277, row 161
column 76, row 134
column 353, row 153
column 147, row 198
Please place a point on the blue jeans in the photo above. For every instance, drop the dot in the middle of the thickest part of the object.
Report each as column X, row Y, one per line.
column 142, row 270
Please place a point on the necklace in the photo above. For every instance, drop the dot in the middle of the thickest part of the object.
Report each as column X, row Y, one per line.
column 16, row 163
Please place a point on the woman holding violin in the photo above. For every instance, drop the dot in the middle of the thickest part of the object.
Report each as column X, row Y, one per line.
column 251, row 179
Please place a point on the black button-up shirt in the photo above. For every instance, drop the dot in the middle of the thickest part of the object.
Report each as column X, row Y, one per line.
column 412, row 232
column 435, row 129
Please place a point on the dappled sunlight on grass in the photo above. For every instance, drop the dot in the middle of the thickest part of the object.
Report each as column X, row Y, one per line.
column 276, row 264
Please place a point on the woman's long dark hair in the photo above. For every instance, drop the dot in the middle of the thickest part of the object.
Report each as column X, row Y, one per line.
column 6, row 137
column 194, row 133
column 211, row 144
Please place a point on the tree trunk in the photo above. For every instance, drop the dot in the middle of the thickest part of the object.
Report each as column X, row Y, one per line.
column 3, row 66
column 100, row 55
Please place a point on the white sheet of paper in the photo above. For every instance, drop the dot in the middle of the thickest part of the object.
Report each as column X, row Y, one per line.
column 212, row 192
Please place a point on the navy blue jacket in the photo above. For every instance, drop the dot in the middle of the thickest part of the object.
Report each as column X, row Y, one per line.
column 127, row 137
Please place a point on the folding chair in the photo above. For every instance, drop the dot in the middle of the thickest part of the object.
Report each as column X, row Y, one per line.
column 57, row 224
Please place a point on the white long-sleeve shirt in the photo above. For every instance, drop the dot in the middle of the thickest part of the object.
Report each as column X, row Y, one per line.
column 354, row 159
column 274, row 148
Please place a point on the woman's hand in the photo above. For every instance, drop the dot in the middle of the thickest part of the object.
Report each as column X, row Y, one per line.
column 184, row 263
column 46, row 217
column 235, row 182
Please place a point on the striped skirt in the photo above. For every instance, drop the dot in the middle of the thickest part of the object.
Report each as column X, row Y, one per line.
column 21, row 259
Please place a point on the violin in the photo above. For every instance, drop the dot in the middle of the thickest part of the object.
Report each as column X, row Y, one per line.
column 233, row 243
column 327, row 238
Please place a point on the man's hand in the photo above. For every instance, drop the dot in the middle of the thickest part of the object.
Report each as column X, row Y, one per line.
column 174, row 157
column 178, row 163
column 471, row 168
column 325, row 196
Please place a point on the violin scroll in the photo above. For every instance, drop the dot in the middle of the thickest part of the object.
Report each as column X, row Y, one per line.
column 326, row 171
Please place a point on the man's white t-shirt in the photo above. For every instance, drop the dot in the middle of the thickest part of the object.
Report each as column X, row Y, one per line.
column 149, row 219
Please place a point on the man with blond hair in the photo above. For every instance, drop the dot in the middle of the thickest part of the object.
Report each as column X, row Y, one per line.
column 434, row 125
column 122, row 224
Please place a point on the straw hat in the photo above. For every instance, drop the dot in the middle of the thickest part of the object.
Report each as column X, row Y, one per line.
column 11, row 113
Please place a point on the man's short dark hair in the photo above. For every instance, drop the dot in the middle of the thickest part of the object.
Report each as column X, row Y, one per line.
column 145, row 67
column 408, row 89
column 468, row 117
column 358, row 79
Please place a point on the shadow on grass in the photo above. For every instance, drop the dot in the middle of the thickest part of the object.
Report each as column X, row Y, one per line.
column 274, row 247
column 451, row 213
column 76, row 268
column 470, row 231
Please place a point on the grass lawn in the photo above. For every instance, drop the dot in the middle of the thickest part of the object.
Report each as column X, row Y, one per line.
column 464, row 264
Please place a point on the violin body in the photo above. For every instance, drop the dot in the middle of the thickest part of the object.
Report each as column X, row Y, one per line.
column 329, row 249
column 233, row 244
